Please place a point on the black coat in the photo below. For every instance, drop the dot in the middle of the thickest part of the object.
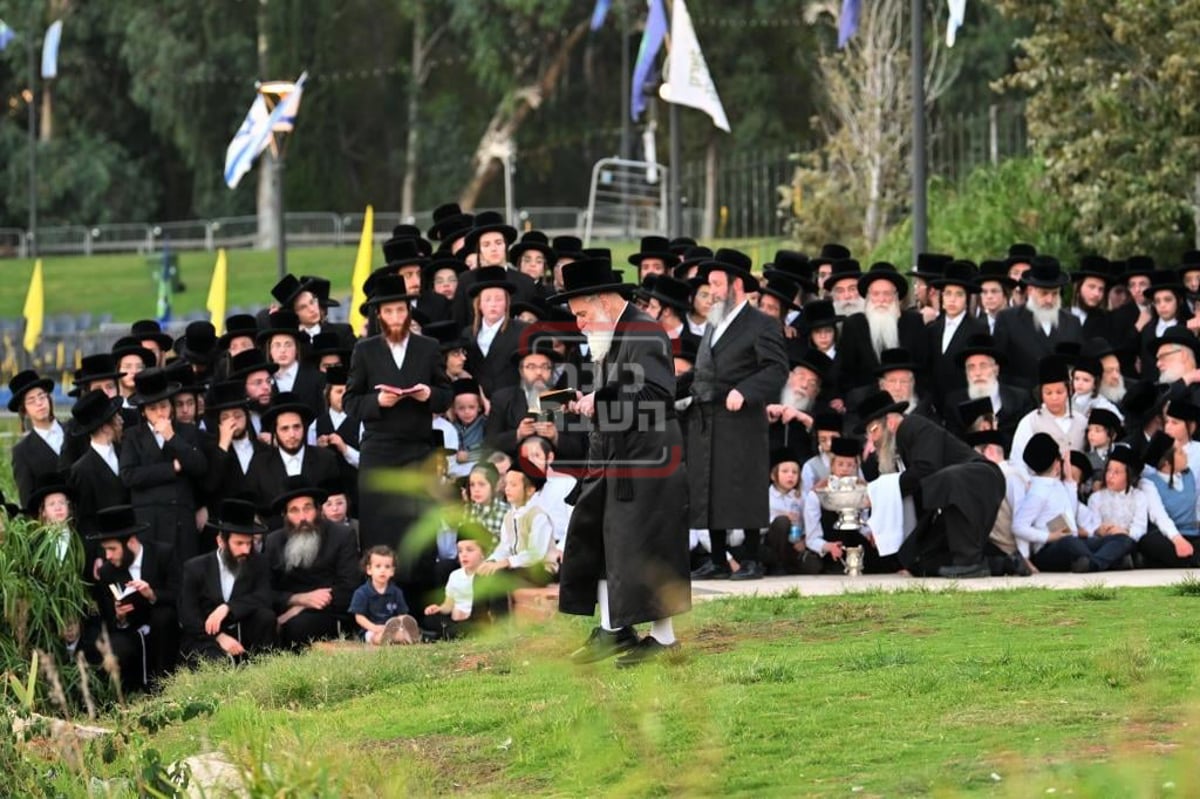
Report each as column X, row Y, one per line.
column 728, row 459
column 1015, row 403
column 225, row 478
column 349, row 432
column 94, row 487
column 1020, row 338
column 629, row 525
column 160, row 497
column 267, row 475
column 158, row 569
column 857, row 354
column 509, row 407
column 309, row 386
column 200, row 593
column 496, row 370
column 336, row 567
column 33, row 463
column 945, row 375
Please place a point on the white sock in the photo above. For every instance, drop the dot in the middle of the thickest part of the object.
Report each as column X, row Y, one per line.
column 663, row 631
column 602, row 601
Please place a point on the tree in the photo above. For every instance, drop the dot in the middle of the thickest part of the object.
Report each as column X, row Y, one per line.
column 1112, row 109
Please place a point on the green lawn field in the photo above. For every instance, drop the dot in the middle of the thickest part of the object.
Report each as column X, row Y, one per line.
column 1014, row 693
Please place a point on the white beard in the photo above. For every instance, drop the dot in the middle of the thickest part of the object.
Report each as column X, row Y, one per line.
column 886, row 451
column 982, row 390
column 849, row 307
column 1169, row 375
column 796, row 399
column 600, row 341
column 300, row 550
column 717, row 313
column 885, row 328
column 1114, row 394
column 1045, row 316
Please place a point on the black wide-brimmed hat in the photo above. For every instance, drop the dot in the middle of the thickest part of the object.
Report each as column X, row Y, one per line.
column 447, row 333
column 399, row 253
column 440, row 262
column 181, row 371
column 1138, row 266
column 1093, row 266
column 846, row 447
column 45, row 486
column 537, row 308
column 877, row 406
column 247, row 362
column 1165, row 280
column 896, row 359
column 337, row 375
column 283, row 323
column 692, row 256
column 680, row 244
column 24, row 382
column 321, row 289
column 464, row 385
column 1180, row 335
column 733, row 263
column 151, row 330
column 94, row 409
column 814, row 361
column 448, row 220
column 567, row 247
column 983, row 438
column 287, row 290
column 1142, row 402
column 198, row 344
column 828, row 421
column 413, row 232
column 1106, row 419
column 818, row 314
column 959, row 273
column 100, row 366
column 970, row 411
column 389, row 288
column 326, row 343
column 1054, row 369
column 287, row 402
column 844, row 269
column 882, row 270
column 1125, row 454
column 589, row 276
column 116, row 522
column 237, row 516
column 489, row 222
column 831, row 253
column 1081, row 462
column 669, row 291
column 1182, row 409
column 298, row 486
column 538, row 339
column 793, row 266
column 783, row 455
column 1021, row 253
column 1189, row 262
column 930, row 265
column 151, row 386
column 685, row 348
column 491, row 277
column 782, row 289
column 1157, row 449
column 654, row 247
column 1045, row 272
column 980, row 344
column 996, row 271
column 226, row 395
column 127, row 345
column 1041, row 452
column 242, row 325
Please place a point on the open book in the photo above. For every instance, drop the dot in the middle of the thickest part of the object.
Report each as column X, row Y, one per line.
column 399, row 392
column 554, row 400
column 121, row 592
column 1058, row 524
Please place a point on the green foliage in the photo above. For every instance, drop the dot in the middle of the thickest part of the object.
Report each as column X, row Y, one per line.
column 997, row 206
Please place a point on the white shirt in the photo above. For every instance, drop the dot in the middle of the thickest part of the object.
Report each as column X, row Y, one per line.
column 487, row 334
column 135, row 568
column 227, row 577
column 1128, row 510
column 814, row 470
column 108, row 454
column 991, row 322
column 950, row 328
column 53, row 436
column 158, row 439
column 553, row 499
column 460, row 590
column 286, row 378
column 292, row 463
column 1079, row 313
column 398, row 351
column 781, row 504
column 1163, row 326
column 312, row 331
column 244, row 449
column 1046, row 498
column 256, row 422
column 726, row 322
column 352, row 455
column 696, row 327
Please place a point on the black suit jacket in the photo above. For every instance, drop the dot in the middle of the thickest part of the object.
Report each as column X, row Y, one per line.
column 33, row 462
column 94, row 487
column 309, row 386
column 509, row 407
column 1015, row 403
column 200, row 592
column 857, row 354
column 408, row 420
column 267, row 476
column 1020, row 338
column 158, row 570
column 163, row 499
column 225, row 478
column 944, row 372
column 496, row 370
column 336, row 567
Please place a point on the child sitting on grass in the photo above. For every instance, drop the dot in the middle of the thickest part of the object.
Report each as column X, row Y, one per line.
column 452, row 618
column 378, row 605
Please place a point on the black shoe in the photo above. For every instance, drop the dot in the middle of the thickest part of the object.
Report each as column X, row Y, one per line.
column 647, row 649
column 603, row 644
column 1081, row 565
column 1124, row 564
column 711, row 571
column 751, row 570
column 965, row 572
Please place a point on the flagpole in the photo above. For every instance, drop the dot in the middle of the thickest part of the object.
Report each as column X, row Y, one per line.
column 674, row 195
column 280, row 232
column 32, row 37
column 626, row 122
column 919, row 222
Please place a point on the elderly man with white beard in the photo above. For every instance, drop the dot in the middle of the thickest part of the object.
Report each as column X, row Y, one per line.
column 981, row 362
column 1178, row 353
column 792, row 417
column 883, row 325
column 1028, row 333
column 314, row 567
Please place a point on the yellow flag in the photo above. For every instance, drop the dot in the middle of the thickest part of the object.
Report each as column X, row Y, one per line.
column 216, row 292
column 362, row 270
column 35, row 308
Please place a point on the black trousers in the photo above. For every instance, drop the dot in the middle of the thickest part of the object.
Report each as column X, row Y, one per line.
column 780, row 556
column 942, row 537
column 444, row 628
column 141, row 659
column 749, row 550
column 1159, row 553
column 255, row 632
column 313, row 625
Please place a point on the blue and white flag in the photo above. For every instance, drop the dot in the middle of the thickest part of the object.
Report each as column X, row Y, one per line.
column 688, row 82
column 255, row 133
column 599, row 13
column 6, row 35
column 847, row 22
column 958, row 11
column 652, row 42
column 50, row 51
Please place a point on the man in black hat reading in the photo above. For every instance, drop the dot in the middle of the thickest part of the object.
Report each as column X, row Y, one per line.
column 314, row 567
column 225, row 596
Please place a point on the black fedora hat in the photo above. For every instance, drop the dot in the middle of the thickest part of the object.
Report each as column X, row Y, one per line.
column 153, row 385
column 298, row 486
column 1138, row 266
column 326, row 343
column 1054, row 369
column 654, row 247
column 45, row 486
column 589, row 276
column 818, row 314
column 1189, row 262
column 337, row 375
column 846, row 447
column 1081, row 462
column 94, row 409
column 538, row 339
column 181, row 371
column 828, row 421
column 1125, row 454
column 413, row 232
column 448, row 334
column 995, row 271
column 670, row 291
column 733, row 263
column 1164, row 280
column 680, row 244
column 970, row 411
column 100, row 366
column 1183, row 409
column 491, row 277
column 389, row 288
column 242, row 325
column 287, row 290
column 1041, row 452
column 782, row 289
column 247, row 362
column 398, row 253
column 440, row 262
column 198, row 344
column 448, row 220
column 1106, row 419
column 844, row 269
column 831, row 253
column 283, row 323
column 464, row 385
column 793, row 266
column 1020, row 253
column 1157, row 449
column 882, row 270
column 1045, row 272
column 567, row 247
column 877, row 406
column 958, row 273
column 980, row 344
column 532, row 241
column 116, row 522
column 321, row 289
column 1180, row 336
column 814, row 361
column 1096, row 266
column 127, row 345
column 286, row 402
column 226, row 395
column 537, row 308
column 896, row 359
column 984, row 438
column 151, row 330
column 489, row 222
column 685, row 349
column 24, row 382
column 693, row 256
column 237, row 516
column 930, row 265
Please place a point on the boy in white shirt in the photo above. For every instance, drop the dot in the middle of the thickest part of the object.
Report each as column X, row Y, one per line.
column 1049, row 523
column 452, row 618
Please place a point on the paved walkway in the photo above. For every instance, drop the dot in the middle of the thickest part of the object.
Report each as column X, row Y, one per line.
column 828, row 584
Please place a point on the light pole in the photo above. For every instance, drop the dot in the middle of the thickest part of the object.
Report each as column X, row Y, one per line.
column 919, row 222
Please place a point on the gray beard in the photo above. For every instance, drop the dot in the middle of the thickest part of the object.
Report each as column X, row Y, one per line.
column 300, row 550
column 796, row 399
column 982, row 390
column 849, row 307
column 1045, row 316
column 1114, row 394
column 884, row 327
column 886, row 450
column 717, row 313
column 1170, row 375
column 599, row 343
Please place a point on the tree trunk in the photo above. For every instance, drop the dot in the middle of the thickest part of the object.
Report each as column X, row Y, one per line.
column 268, row 198
column 710, row 190
column 511, row 113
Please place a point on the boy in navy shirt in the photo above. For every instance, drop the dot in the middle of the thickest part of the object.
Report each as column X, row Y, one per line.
column 378, row 605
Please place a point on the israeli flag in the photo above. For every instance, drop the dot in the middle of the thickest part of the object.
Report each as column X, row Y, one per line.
column 255, row 133
column 6, row 35
column 50, row 51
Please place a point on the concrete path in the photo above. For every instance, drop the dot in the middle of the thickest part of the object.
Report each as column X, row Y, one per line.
column 828, row 584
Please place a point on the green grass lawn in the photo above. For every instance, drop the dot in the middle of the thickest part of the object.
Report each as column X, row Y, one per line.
column 1009, row 693
column 122, row 284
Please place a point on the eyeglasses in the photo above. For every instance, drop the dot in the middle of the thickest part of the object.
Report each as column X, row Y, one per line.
column 1168, row 353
